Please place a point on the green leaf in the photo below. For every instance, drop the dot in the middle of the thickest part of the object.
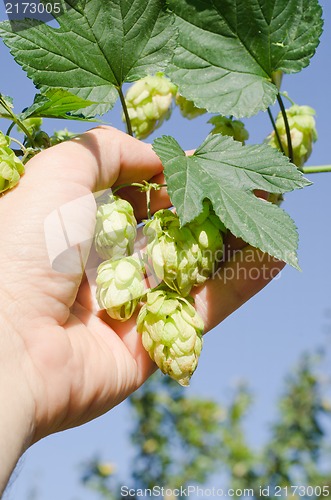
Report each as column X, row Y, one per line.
column 99, row 45
column 55, row 103
column 228, row 50
column 226, row 173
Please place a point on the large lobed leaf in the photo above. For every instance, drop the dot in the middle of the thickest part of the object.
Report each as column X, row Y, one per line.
column 228, row 50
column 226, row 173
column 99, row 45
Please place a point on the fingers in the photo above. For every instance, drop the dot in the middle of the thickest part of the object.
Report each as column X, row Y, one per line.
column 96, row 160
column 127, row 332
column 248, row 272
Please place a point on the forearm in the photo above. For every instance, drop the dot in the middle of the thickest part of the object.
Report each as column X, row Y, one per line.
column 16, row 407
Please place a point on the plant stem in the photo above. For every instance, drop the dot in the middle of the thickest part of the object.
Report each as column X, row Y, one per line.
column 148, row 200
column 128, row 184
column 316, row 169
column 10, row 128
column 276, row 130
column 145, row 186
column 287, row 127
column 16, row 120
column 23, row 148
column 125, row 111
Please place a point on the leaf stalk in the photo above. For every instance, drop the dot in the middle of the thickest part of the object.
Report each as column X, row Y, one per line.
column 316, row 169
column 125, row 111
column 276, row 130
column 287, row 127
column 10, row 128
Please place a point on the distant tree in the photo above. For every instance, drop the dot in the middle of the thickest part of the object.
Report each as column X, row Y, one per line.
column 297, row 453
column 182, row 440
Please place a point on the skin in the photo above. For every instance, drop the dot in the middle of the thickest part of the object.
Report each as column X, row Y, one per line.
column 61, row 363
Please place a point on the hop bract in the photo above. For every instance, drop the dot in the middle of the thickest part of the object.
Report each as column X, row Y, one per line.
column 4, row 140
column 303, row 133
column 149, row 103
column 183, row 257
column 120, row 286
column 116, row 229
column 11, row 168
column 171, row 332
column 188, row 108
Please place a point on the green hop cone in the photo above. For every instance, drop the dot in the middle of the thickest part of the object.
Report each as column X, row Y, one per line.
column 187, row 108
column 303, row 133
column 149, row 103
column 120, row 286
column 31, row 124
column 184, row 257
column 171, row 332
column 229, row 127
column 208, row 231
column 11, row 168
column 116, row 229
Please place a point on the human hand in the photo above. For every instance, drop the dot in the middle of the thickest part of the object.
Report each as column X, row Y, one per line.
column 70, row 363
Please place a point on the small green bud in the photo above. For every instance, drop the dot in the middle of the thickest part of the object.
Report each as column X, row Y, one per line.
column 229, row 127
column 32, row 125
column 61, row 136
column 303, row 133
column 116, row 229
column 11, row 169
column 149, row 103
column 277, row 77
column 188, row 108
column 171, row 332
column 42, row 140
column 120, row 286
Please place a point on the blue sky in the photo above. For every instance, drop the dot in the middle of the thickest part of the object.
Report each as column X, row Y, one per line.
column 259, row 343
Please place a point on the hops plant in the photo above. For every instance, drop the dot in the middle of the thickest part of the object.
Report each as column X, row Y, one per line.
column 149, row 103
column 120, row 286
column 183, row 257
column 216, row 73
column 171, row 332
column 116, row 228
column 188, row 108
column 230, row 127
column 303, row 133
column 11, row 167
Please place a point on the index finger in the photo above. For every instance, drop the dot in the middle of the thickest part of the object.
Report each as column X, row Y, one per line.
column 96, row 160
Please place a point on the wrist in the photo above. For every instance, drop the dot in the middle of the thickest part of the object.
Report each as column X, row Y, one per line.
column 16, row 401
